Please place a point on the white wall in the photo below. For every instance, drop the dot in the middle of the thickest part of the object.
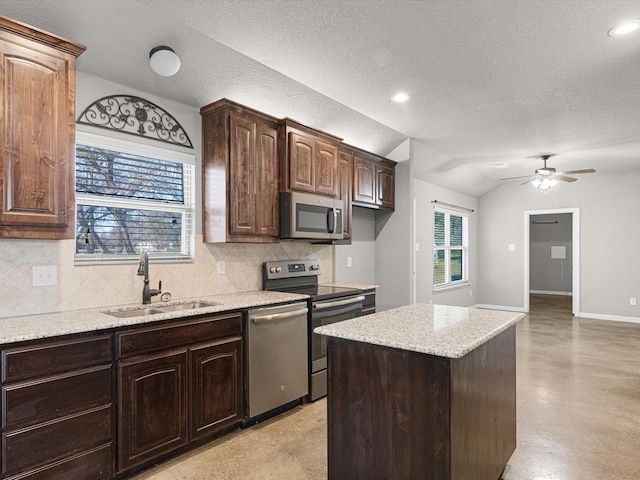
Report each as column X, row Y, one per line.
column 362, row 250
column 425, row 193
column 548, row 274
column 609, row 237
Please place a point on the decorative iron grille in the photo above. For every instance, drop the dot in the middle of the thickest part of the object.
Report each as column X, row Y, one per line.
column 136, row 116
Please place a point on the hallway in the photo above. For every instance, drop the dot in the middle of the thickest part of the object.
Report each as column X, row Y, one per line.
column 578, row 394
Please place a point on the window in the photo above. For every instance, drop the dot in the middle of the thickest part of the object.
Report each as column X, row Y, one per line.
column 130, row 197
column 450, row 249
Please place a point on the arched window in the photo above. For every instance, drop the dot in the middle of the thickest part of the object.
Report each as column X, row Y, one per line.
column 132, row 195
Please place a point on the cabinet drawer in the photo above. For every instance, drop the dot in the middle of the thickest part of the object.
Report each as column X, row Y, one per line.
column 177, row 334
column 54, row 357
column 44, row 399
column 95, row 464
column 48, row 442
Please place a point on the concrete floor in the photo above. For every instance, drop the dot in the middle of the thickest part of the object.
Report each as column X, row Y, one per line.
column 578, row 412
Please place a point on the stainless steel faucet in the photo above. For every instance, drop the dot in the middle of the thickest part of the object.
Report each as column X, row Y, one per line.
column 143, row 270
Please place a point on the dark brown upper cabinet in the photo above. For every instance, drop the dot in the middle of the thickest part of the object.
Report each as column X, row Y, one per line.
column 373, row 181
column 308, row 159
column 240, row 174
column 37, row 133
column 345, row 189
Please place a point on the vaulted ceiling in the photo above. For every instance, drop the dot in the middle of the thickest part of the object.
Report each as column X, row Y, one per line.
column 492, row 81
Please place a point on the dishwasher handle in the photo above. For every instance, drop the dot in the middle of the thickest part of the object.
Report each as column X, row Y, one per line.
column 279, row 316
column 338, row 303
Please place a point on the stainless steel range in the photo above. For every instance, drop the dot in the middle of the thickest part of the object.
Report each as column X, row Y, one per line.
column 327, row 304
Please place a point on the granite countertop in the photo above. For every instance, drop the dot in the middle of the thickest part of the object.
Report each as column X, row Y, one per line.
column 440, row 330
column 30, row 327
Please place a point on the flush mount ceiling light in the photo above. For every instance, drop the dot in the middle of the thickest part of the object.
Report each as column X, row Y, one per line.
column 400, row 97
column 164, row 61
column 624, row 28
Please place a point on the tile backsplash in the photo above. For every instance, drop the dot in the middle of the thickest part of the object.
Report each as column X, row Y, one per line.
column 95, row 286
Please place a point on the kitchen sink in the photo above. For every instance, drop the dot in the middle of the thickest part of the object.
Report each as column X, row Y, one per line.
column 177, row 307
column 145, row 311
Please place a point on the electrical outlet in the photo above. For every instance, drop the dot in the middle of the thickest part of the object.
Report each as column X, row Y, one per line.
column 470, row 293
column 349, row 262
column 220, row 267
column 417, row 247
column 44, row 275
column 632, row 302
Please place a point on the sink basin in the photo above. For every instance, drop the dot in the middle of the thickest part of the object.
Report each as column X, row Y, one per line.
column 135, row 312
column 177, row 307
column 145, row 311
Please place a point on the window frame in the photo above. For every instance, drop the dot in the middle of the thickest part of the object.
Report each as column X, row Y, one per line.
column 187, row 209
column 447, row 248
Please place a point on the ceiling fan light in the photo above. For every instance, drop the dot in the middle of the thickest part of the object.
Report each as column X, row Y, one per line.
column 544, row 183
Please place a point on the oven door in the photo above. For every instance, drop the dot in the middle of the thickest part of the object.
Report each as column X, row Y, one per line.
column 324, row 313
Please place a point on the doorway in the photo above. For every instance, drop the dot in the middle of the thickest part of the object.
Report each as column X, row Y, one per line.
column 562, row 256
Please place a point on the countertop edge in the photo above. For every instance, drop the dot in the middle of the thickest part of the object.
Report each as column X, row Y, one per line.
column 454, row 348
column 70, row 322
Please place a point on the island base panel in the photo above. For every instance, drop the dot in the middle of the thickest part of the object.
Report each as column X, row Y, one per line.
column 400, row 414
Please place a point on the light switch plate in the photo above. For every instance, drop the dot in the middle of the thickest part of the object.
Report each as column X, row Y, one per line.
column 512, row 247
column 221, row 267
column 44, row 275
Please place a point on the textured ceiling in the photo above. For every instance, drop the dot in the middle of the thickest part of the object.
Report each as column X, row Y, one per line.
column 491, row 81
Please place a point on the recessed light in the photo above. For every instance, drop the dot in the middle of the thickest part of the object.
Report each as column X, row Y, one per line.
column 624, row 28
column 499, row 165
column 401, row 97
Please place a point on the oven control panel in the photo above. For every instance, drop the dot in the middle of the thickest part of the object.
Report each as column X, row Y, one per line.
column 290, row 269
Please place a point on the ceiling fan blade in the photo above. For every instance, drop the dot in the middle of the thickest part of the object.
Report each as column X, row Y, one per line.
column 573, row 172
column 518, row 178
column 564, row 178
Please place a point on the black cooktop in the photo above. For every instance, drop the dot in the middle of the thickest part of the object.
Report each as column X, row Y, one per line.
column 324, row 292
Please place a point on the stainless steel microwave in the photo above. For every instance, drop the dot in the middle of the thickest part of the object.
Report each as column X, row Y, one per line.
column 311, row 217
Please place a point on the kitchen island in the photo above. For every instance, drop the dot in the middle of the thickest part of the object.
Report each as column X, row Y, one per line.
column 422, row 391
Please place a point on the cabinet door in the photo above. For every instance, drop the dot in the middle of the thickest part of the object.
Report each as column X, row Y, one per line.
column 266, row 200
column 37, row 137
column 386, row 186
column 216, row 386
column 326, row 167
column 152, row 405
column 301, row 162
column 364, row 181
column 345, row 188
column 242, row 176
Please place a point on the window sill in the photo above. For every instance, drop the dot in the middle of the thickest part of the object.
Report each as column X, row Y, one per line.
column 450, row 287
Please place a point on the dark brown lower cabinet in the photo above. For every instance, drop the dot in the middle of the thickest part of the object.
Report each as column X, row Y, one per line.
column 216, row 401
column 170, row 398
column 152, row 402
column 57, row 409
column 177, row 383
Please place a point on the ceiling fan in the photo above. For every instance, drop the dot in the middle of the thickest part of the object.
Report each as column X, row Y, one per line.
column 546, row 177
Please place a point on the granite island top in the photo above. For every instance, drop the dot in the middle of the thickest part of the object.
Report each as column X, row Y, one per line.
column 31, row 327
column 440, row 330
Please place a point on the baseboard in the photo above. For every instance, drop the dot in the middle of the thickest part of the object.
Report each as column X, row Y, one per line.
column 548, row 292
column 609, row 318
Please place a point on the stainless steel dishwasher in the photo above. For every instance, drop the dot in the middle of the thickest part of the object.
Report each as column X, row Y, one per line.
column 277, row 355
